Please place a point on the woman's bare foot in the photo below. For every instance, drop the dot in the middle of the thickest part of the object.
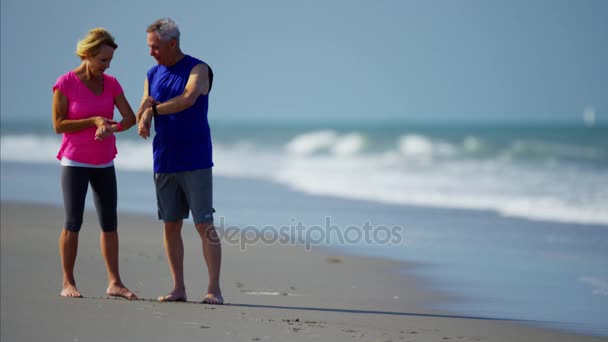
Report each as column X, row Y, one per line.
column 215, row 299
column 70, row 291
column 173, row 296
column 121, row 291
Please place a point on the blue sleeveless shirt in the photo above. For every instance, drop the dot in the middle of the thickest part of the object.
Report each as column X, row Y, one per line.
column 183, row 140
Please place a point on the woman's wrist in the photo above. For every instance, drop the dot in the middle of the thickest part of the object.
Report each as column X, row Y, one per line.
column 118, row 127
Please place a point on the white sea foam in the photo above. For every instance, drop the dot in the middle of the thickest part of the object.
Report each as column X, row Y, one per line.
column 310, row 143
column 416, row 170
column 348, row 145
column 29, row 148
column 471, row 144
column 417, row 146
column 423, row 150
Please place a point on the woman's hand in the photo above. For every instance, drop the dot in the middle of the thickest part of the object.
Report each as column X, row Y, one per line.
column 105, row 127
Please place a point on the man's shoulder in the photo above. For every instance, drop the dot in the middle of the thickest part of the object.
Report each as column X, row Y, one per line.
column 153, row 70
column 196, row 61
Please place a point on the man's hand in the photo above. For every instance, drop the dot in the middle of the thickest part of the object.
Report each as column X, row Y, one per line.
column 145, row 104
column 145, row 122
column 148, row 103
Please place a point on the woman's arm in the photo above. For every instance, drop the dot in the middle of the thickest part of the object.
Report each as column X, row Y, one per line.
column 128, row 117
column 63, row 125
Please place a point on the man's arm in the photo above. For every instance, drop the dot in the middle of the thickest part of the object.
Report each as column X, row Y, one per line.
column 145, row 122
column 198, row 84
column 146, row 101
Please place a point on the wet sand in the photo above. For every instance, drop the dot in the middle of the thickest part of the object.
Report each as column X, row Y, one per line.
column 273, row 292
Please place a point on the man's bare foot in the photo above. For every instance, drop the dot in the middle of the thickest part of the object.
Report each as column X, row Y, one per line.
column 121, row 291
column 70, row 291
column 174, row 296
column 215, row 299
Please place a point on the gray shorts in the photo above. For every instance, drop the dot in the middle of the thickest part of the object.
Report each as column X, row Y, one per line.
column 180, row 192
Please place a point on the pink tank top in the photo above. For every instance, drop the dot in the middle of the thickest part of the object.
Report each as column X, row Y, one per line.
column 81, row 146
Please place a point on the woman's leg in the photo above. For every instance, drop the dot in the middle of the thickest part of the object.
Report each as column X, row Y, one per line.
column 74, row 183
column 104, row 187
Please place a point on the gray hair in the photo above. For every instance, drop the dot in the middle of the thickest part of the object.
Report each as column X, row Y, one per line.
column 165, row 28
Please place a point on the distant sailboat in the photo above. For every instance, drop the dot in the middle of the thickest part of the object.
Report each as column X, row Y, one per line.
column 589, row 116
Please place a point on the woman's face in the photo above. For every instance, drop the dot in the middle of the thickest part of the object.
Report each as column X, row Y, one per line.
column 101, row 61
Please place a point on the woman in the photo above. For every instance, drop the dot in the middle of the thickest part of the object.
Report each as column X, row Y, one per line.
column 83, row 108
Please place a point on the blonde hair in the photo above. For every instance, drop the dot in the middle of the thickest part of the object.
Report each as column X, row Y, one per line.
column 93, row 41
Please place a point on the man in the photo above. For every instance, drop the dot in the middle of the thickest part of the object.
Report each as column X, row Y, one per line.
column 176, row 94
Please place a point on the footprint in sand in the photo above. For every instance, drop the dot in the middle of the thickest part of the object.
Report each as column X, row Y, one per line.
column 334, row 260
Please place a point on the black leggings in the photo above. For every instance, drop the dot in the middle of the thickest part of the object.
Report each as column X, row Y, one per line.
column 75, row 182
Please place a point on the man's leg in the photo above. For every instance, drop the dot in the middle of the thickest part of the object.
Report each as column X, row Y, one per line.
column 212, row 252
column 174, row 247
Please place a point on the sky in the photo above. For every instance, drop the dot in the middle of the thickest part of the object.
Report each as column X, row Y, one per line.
column 334, row 60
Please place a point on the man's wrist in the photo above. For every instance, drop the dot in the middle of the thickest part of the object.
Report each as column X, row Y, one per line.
column 154, row 110
column 147, row 112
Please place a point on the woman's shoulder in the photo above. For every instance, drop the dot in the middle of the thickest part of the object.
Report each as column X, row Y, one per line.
column 110, row 78
column 67, row 77
column 66, row 81
column 113, row 83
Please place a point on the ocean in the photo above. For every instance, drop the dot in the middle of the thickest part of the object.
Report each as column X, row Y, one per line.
column 512, row 219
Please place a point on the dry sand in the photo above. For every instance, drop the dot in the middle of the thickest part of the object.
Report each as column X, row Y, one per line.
column 273, row 292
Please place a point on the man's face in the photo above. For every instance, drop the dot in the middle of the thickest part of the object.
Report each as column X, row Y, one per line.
column 159, row 49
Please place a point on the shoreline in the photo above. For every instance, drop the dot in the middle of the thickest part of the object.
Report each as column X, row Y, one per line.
column 475, row 265
column 273, row 292
column 129, row 176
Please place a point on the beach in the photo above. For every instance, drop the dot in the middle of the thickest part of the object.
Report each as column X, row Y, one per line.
column 273, row 292
column 453, row 191
column 366, row 233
